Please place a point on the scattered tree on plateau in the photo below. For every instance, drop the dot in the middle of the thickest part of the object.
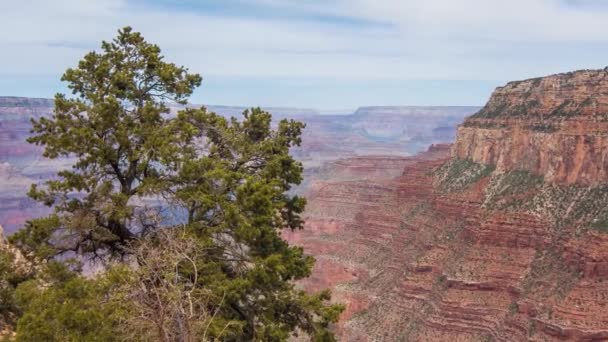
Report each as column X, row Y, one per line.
column 184, row 210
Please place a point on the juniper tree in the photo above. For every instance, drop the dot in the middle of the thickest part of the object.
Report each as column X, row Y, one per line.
column 223, row 183
column 115, row 127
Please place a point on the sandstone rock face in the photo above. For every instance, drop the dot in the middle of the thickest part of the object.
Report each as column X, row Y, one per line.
column 413, row 263
column 556, row 126
column 505, row 238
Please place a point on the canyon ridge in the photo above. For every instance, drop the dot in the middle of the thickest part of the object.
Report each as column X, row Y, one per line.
column 496, row 231
column 502, row 236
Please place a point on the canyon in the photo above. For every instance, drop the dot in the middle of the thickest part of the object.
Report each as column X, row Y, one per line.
column 554, row 126
column 495, row 230
column 384, row 131
column 501, row 236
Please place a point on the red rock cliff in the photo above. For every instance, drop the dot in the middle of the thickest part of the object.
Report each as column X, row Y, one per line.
column 556, row 126
column 505, row 240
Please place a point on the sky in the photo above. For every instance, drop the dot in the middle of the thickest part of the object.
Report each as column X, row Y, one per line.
column 325, row 54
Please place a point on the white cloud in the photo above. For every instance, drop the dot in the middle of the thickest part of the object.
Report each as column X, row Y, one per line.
column 521, row 20
column 405, row 39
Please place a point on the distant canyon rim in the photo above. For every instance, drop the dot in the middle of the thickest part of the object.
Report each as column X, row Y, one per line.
column 435, row 223
column 388, row 131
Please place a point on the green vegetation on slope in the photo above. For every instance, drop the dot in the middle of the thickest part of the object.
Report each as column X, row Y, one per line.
column 510, row 189
column 12, row 273
column 459, row 174
column 582, row 207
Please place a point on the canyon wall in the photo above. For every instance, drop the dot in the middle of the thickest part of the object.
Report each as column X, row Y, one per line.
column 416, row 263
column 555, row 126
column 501, row 237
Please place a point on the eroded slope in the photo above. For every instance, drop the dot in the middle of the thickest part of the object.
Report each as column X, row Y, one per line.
column 503, row 238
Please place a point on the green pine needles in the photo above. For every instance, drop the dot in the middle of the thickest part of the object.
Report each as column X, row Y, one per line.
column 183, row 211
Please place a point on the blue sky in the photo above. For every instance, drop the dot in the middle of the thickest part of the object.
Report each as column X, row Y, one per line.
column 331, row 54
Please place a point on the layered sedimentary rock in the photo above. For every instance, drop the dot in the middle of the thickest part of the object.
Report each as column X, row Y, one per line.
column 401, row 131
column 416, row 264
column 555, row 126
column 505, row 238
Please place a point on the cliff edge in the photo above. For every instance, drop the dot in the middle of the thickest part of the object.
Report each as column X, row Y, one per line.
column 555, row 127
column 503, row 237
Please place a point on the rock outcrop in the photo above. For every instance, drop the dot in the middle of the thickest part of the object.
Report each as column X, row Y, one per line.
column 416, row 264
column 19, row 262
column 14, row 268
column 556, row 126
column 502, row 238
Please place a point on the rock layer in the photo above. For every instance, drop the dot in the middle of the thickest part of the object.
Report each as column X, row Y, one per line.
column 416, row 264
column 490, row 242
column 555, row 126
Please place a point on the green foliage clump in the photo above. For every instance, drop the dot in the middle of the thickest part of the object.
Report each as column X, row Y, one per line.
column 458, row 174
column 550, row 275
column 578, row 206
column 600, row 223
column 61, row 305
column 505, row 109
column 510, row 189
column 12, row 273
column 545, row 127
column 565, row 109
column 221, row 186
column 485, row 125
column 491, row 111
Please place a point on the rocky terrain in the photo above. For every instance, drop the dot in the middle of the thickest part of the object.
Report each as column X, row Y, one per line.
column 554, row 126
column 13, row 267
column 502, row 237
column 388, row 131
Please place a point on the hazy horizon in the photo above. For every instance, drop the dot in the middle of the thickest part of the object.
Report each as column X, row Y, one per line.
column 327, row 54
column 322, row 111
